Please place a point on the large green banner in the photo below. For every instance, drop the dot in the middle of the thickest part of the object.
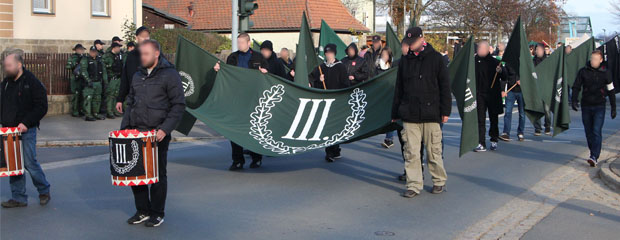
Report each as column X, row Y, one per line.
column 577, row 59
column 553, row 89
column 305, row 59
column 328, row 35
column 391, row 40
column 463, row 82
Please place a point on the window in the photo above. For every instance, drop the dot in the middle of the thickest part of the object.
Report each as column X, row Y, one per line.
column 168, row 26
column 42, row 6
column 100, row 8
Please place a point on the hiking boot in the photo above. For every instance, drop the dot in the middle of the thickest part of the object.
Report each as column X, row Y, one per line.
column 256, row 163
column 118, row 114
column 438, row 189
column 44, row 199
column 236, row 166
column 504, row 137
column 330, row 158
column 480, row 148
column 493, row 146
column 138, row 218
column 90, row 119
column 110, row 116
column 154, row 222
column 387, row 143
column 521, row 137
column 409, row 194
column 592, row 161
column 100, row 117
column 13, row 204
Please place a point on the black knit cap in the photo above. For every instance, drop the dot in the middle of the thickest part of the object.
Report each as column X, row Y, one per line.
column 331, row 48
column 267, row 44
column 141, row 29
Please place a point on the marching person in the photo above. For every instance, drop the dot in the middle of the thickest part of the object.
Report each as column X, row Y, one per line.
column 540, row 56
column 285, row 58
column 331, row 74
column 113, row 61
column 385, row 63
column 94, row 73
column 116, row 40
column 75, row 78
column 130, row 67
column 488, row 95
column 371, row 57
column 512, row 96
column 155, row 101
column 245, row 57
column 422, row 99
column 274, row 65
column 595, row 83
column 23, row 105
column 356, row 69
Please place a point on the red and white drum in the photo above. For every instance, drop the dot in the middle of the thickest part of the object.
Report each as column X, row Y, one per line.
column 12, row 160
column 133, row 157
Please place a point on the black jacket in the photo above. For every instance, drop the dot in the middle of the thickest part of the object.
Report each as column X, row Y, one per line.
column 370, row 60
column 596, row 85
column 335, row 76
column 510, row 79
column 275, row 66
column 422, row 91
column 132, row 63
column 256, row 60
column 538, row 60
column 156, row 100
column 355, row 66
column 32, row 100
column 485, row 72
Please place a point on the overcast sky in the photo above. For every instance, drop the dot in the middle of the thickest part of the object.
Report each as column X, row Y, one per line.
column 598, row 10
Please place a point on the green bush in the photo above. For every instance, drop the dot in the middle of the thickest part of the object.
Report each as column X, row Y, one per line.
column 209, row 41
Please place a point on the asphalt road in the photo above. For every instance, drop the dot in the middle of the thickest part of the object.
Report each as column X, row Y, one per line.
column 300, row 197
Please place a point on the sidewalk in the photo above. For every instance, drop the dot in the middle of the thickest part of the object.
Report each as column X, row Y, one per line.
column 64, row 130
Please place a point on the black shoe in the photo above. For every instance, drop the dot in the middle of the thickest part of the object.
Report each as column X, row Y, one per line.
column 100, row 117
column 402, row 177
column 256, row 164
column 438, row 189
column 154, row 222
column 547, row 131
column 387, row 143
column 410, row 194
column 592, row 161
column 330, row 159
column 13, row 204
column 110, row 116
column 504, row 137
column 118, row 115
column 236, row 166
column 90, row 119
column 44, row 199
column 137, row 219
column 537, row 133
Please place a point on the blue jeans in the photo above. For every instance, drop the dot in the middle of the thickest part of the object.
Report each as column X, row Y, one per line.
column 18, row 183
column 593, row 118
column 510, row 101
column 390, row 135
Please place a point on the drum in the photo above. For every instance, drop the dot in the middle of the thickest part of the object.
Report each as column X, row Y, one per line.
column 133, row 157
column 11, row 160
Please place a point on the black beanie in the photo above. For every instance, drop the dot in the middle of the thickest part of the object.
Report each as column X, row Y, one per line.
column 267, row 44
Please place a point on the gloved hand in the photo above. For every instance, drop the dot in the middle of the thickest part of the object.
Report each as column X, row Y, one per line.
column 575, row 105
column 613, row 113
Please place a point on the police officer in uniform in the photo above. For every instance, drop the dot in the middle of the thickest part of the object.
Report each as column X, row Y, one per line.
column 113, row 61
column 94, row 73
column 76, row 80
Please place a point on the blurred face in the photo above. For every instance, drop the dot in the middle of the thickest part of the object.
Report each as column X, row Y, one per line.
column 376, row 45
column 404, row 48
column 501, row 47
column 12, row 67
column 351, row 52
column 148, row 55
column 548, row 50
column 144, row 35
column 266, row 52
column 92, row 53
column 483, row 49
column 330, row 56
column 417, row 45
column 568, row 49
column 596, row 60
column 243, row 44
column 79, row 51
column 284, row 54
column 385, row 56
column 99, row 46
column 130, row 48
column 540, row 52
column 491, row 49
column 116, row 50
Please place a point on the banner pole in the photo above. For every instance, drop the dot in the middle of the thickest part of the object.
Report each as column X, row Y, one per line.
column 321, row 71
column 513, row 86
column 493, row 83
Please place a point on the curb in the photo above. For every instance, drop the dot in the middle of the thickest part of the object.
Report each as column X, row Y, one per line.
column 610, row 178
column 83, row 143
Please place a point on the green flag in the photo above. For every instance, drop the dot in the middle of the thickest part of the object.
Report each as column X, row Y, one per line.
column 462, row 72
column 517, row 56
column 276, row 117
column 577, row 59
column 255, row 45
column 391, row 40
column 329, row 36
column 305, row 59
column 552, row 89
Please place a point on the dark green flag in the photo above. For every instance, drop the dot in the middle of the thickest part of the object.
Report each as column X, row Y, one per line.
column 305, row 59
column 276, row 117
column 463, row 82
column 329, row 36
column 552, row 89
column 517, row 56
column 577, row 59
column 391, row 40
column 255, row 45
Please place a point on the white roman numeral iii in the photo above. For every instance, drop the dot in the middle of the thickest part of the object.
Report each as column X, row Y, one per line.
column 121, row 157
column 300, row 112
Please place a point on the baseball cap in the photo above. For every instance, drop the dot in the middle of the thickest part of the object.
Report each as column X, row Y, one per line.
column 412, row 35
column 116, row 38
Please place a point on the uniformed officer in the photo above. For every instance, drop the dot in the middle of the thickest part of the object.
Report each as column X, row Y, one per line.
column 113, row 61
column 76, row 79
column 118, row 41
column 94, row 73
column 99, row 46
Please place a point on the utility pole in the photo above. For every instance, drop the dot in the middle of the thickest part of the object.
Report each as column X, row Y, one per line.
column 235, row 25
column 374, row 16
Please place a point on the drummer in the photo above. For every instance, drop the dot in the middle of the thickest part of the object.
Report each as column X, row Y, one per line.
column 155, row 101
column 23, row 104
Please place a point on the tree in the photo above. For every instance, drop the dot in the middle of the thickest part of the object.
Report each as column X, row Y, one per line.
column 615, row 9
column 396, row 9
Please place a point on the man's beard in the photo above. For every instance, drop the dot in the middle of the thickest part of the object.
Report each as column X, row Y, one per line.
column 148, row 65
column 10, row 75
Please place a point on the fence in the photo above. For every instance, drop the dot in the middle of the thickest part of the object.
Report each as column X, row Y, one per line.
column 50, row 69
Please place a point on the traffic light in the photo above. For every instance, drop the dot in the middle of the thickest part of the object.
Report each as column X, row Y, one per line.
column 246, row 8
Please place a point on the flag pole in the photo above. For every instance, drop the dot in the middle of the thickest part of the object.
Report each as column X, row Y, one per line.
column 513, row 86
column 493, row 83
column 321, row 71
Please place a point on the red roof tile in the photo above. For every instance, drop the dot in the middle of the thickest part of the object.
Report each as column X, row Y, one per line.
column 215, row 15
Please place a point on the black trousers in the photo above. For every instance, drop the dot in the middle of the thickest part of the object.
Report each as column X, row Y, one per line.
column 152, row 201
column 333, row 151
column 483, row 108
column 237, row 154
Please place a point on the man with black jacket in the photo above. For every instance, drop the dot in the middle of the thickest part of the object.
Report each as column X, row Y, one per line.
column 155, row 101
column 275, row 65
column 355, row 65
column 423, row 101
column 331, row 74
column 130, row 67
column 488, row 95
column 23, row 105
column 511, row 90
column 372, row 55
column 596, row 85
column 245, row 57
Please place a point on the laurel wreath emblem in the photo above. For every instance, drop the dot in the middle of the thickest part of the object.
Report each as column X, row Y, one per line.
column 131, row 164
column 262, row 113
column 188, row 86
